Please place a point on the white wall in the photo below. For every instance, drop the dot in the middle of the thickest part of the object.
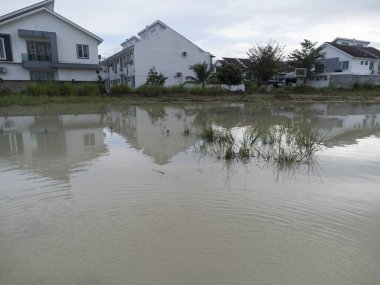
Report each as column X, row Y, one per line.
column 164, row 50
column 67, row 39
column 355, row 66
column 15, row 71
column 77, row 75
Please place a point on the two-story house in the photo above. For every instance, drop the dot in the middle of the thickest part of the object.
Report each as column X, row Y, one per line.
column 36, row 43
column 156, row 46
column 346, row 62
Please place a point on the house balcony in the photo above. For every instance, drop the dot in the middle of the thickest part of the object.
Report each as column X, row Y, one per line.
column 36, row 57
column 36, row 61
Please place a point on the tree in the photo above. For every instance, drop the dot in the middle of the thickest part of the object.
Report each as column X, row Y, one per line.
column 307, row 57
column 203, row 74
column 155, row 78
column 266, row 60
column 229, row 74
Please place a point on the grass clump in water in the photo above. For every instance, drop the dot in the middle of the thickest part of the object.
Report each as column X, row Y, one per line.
column 284, row 145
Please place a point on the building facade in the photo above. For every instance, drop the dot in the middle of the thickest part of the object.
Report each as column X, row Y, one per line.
column 159, row 47
column 347, row 62
column 36, row 43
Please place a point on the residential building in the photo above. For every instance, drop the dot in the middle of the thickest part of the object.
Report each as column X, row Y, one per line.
column 347, row 61
column 156, row 46
column 36, row 43
column 242, row 63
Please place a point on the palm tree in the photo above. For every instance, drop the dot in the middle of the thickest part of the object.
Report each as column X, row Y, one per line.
column 203, row 74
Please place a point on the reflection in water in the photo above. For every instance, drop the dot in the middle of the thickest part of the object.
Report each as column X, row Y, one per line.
column 52, row 146
column 122, row 197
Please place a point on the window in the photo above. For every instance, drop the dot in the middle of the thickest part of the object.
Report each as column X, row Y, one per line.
column 345, row 43
column 319, row 68
column 371, row 65
column 366, row 62
column 2, row 49
column 42, row 75
column 362, row 62
column 89, row 140
column 344, row 65
column 38, row 51
column 5, row 48
column 82, row 51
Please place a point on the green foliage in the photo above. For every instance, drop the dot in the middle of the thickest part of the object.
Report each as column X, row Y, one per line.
column 307, row 57
column 266, row 60
column 121, row 89
column 284, row 145
column 88, row 89
column 251, row 87
column 5, row 91
column 40, row 89
column 178, row 89
column 154, row 78
column 365, row 86
column 67, row 89
column 229, row 74
column 203, row 74
column 206, row 91
column 151, row 90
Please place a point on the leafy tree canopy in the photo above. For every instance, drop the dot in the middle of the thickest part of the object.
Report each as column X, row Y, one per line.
column 229, row 74
column 266, row 60
column 307, row 57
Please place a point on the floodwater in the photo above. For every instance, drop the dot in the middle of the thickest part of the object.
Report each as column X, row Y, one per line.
column 121, row 195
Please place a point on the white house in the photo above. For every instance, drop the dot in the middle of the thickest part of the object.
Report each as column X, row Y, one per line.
column 156, row 46
column 348, row 61
column 36, row 43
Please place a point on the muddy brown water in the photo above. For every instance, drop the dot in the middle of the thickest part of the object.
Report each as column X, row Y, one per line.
column 120, row 195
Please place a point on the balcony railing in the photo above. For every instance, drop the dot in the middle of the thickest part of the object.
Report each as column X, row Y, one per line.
column 36, row 57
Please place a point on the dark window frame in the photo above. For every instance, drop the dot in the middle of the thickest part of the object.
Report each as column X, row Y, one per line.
column 82, row 49
column 2, row 48
column 6, row 40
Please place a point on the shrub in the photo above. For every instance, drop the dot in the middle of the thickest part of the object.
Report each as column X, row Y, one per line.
column 45, row 89
column 5, row 91
column 304, row 88
column 67, row 89
column 151, row 90
column 88, row 89
column 178, row 89
column 207, row 90
column 121, row 89
column 251, row 87
column 154, row 78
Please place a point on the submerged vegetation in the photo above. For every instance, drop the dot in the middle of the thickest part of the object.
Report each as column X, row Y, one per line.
column 284, row 145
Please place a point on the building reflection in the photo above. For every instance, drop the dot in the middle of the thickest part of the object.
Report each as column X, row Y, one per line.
column 52, row 146
column 55, row 146
column 158, row 131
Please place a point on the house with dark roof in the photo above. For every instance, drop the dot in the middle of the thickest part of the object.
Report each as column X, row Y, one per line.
column 36, row 43
column 242, row 63
column 346, row 62
column 350, row 56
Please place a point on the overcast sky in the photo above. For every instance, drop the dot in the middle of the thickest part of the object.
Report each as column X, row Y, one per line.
column 226, row 28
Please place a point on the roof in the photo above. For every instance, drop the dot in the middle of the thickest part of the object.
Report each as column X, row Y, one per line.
column 355, row 51
column 151, row 25
column 350, row 40
column 47, row 6
column 242, row 63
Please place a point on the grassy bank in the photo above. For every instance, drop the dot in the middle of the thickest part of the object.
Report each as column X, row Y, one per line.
column 42, row 94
